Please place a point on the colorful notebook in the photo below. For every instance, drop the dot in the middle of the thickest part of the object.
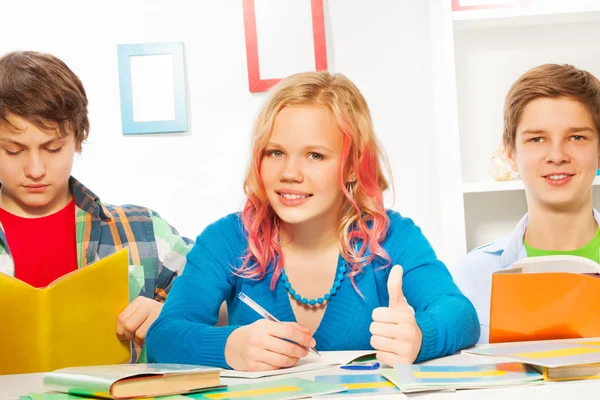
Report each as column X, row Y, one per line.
column 359, row 384
column 419, row 378
column 283, row 389
column 70, row 322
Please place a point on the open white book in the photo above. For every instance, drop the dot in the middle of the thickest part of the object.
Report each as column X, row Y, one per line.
column 308, row 363
column 559, row 263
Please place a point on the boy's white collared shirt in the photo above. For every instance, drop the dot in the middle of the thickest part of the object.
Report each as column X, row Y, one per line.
column 473, row 274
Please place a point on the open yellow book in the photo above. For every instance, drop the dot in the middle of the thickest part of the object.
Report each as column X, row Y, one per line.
column 71, row 322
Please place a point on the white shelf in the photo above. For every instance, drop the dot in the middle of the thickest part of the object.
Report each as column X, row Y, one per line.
column 543, row 13
column 476, row 56
column 506, row 186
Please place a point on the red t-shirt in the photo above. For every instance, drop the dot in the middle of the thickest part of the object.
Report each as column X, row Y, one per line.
column 43, row 249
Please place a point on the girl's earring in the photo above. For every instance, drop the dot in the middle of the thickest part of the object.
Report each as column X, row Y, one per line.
column 350, row 187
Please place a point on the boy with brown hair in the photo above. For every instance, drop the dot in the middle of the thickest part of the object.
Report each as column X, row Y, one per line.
column 551, row 127
column 50, row 223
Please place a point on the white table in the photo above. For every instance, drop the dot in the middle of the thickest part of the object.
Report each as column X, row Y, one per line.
column 13, row 386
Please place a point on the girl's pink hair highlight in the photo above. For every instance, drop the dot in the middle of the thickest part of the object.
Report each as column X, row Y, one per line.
column 364, row 219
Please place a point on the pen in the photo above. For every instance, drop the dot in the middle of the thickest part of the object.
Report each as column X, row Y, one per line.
column 264, row 313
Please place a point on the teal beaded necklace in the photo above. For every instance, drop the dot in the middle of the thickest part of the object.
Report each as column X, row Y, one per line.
column 312, row 302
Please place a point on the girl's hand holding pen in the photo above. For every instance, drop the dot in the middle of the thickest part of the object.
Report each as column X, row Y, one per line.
column 267, row 345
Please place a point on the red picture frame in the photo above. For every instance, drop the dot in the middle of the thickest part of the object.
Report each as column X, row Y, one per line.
column 255, row 82
column 521, row 3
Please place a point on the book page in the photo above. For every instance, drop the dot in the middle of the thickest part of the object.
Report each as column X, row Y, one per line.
column 308, row 363
column 546, row 264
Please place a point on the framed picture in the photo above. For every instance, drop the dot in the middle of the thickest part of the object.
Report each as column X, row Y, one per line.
column 152, row 88
column 260, row 83
column 463, row 5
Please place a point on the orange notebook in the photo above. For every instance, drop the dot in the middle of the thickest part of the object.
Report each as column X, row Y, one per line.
column 541, row 298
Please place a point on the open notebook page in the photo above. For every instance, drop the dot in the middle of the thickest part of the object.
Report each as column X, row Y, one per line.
column 308, row 363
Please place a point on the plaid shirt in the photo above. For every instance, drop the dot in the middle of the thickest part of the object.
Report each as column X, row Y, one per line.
column 156, row 251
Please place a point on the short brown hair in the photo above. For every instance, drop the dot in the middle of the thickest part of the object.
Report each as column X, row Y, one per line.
column 551, row 81
column 43, row 90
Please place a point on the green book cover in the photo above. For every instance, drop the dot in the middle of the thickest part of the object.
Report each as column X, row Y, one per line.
column 282, row 389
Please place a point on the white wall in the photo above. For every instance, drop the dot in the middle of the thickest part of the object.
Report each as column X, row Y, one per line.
column 194, row 178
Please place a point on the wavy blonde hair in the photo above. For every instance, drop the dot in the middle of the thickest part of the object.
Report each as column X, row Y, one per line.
column 364, row 222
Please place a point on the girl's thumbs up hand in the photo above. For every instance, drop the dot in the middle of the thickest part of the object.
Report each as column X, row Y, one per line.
column 394, row 330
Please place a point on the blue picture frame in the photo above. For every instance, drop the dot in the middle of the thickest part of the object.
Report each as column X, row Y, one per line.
column 131, row 127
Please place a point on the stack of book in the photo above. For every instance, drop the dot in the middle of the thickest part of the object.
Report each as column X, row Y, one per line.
column 523, row 363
